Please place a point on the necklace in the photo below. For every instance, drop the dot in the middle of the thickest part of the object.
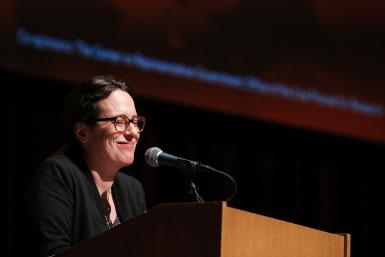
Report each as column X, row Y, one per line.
column 106, row 203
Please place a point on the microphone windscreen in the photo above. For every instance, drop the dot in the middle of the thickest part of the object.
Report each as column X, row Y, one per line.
column 151, row 156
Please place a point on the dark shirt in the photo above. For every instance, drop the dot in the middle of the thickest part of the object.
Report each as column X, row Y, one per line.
column 64, row 206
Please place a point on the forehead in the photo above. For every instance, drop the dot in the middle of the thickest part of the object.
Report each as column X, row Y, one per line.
column 118, row 102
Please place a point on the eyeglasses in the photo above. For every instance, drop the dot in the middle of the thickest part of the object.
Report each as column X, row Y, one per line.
column 122, row 122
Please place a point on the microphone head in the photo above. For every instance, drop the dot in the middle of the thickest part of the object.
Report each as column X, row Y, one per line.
column 151, row 156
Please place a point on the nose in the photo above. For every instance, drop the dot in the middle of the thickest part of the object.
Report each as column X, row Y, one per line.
column 131, row 133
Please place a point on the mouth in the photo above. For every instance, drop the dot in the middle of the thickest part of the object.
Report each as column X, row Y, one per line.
column 125, row 143
column 122, row 143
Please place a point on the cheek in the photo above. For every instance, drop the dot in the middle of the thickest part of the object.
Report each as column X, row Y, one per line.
column 110, row 136
column 107, row 141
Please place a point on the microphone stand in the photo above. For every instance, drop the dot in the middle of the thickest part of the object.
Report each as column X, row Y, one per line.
column 194, row 192
column 193, row 187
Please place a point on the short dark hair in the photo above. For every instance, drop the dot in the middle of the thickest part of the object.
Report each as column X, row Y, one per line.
column 81, row 103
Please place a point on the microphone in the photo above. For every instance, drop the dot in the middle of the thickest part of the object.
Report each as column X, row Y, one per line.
column 155, row 157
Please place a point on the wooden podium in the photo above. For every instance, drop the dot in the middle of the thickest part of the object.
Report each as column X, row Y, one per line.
column 211, row 230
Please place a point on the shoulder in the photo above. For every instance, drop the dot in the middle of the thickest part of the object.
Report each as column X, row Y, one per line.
column 57, row 160
column 58, row 163
column 56, row 169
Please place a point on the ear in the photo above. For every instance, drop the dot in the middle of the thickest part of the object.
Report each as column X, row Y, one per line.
column 81, row 132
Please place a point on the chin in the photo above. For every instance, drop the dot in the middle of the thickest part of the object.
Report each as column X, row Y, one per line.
column 125, row 158
column 128, row 161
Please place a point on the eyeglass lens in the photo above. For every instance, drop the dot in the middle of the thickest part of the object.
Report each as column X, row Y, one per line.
column 122, row 123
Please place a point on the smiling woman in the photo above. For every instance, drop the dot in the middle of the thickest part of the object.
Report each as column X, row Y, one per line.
column 80, row 192
column 101, row 139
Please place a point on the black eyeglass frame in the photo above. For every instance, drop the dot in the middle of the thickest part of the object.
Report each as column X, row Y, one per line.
column 134, row 120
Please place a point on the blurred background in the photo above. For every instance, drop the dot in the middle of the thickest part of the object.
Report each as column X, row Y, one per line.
column 287, row 97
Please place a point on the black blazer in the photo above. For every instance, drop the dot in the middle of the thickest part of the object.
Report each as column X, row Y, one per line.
column 64, row 206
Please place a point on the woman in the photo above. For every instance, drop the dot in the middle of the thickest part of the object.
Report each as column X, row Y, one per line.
column 80, row 192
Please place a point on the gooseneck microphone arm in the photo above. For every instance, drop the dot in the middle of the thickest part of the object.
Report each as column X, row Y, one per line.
column 156, row 157
column 204, row 168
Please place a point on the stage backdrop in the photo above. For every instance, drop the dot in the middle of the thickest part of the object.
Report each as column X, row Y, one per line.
column 297, row 63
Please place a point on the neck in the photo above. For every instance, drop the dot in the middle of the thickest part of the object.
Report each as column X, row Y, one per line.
column 103, row 183
column 103, row 164
column 103, row 174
